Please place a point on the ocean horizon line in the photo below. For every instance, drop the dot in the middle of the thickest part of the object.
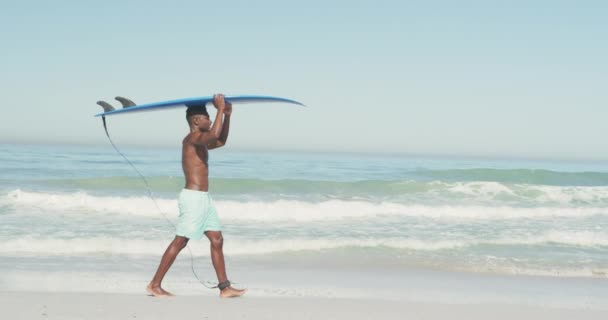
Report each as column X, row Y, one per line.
column 320, row 151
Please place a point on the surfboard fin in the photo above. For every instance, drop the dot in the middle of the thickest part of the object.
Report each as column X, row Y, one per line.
column 106, row 106
column 126, row 103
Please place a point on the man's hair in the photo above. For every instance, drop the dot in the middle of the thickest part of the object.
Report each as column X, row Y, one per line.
column 196, row 110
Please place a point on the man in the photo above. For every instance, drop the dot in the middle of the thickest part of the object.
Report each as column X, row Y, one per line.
column 197, row 214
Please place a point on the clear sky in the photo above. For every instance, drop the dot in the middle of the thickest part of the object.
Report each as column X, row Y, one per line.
column 507, row 78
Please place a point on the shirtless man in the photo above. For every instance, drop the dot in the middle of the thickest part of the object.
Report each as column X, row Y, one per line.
column 197, row 214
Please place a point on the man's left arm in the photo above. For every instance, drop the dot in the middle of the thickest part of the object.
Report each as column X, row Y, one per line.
column 221, row 141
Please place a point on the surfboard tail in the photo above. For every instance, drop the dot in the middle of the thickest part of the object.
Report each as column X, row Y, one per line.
column 106, row 106
column 126, row 103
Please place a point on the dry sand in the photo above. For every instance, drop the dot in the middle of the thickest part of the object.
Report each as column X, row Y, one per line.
column 30, row 305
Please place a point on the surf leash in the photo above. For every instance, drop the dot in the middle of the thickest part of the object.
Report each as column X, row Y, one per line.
column 206, row 283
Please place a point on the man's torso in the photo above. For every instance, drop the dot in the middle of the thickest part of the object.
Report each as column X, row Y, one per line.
column 195, row 165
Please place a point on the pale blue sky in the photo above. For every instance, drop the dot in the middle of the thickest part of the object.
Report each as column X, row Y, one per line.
column 506, row 78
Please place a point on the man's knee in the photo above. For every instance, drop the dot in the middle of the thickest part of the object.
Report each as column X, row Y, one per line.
column 217, row 242
column 180, row 242
column 216, row 239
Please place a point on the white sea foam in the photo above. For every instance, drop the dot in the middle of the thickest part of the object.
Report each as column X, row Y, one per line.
column 573, row 238
column 239, row 246
column 571, row 195
column 540, row 194
column 485, row 189
column 81, row 202
column 115, row 246
column 281, row 210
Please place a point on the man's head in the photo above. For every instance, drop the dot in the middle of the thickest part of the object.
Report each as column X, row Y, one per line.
column 198, row 117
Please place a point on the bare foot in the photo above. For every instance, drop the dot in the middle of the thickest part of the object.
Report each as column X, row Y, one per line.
column 157, row 291
column 231, row 292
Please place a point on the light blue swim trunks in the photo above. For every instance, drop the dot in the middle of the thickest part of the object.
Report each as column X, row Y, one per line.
column 197, row 214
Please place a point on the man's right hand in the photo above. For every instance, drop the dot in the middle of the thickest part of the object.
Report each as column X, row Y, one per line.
column 218, row 102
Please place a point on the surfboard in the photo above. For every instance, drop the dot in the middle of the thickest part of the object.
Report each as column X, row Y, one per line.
column 130, row 107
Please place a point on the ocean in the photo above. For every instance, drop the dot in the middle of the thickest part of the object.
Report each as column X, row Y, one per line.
column 81, row 217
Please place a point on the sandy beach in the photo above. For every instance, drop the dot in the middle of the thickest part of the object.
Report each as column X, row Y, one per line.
column 29, row 305
column 311, row 291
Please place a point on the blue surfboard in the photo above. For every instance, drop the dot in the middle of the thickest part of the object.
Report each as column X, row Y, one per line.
column 130, row 107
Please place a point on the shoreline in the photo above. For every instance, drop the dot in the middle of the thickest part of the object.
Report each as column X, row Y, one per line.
column 281, row 278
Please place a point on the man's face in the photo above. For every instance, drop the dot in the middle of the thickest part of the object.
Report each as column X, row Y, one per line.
column 202, row 122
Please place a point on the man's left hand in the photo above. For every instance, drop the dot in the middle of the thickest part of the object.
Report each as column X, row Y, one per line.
column 228, row 109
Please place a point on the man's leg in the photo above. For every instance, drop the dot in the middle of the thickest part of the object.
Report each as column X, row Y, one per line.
column 217, row 258
column 154, row 288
